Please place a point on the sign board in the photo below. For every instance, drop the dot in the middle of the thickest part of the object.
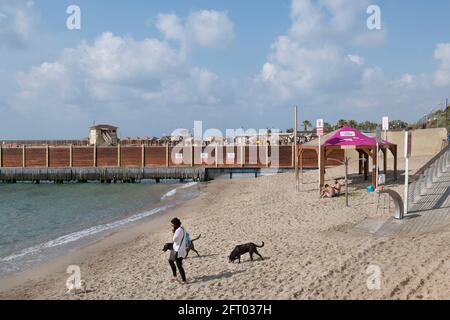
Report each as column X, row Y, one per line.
column 319, row 132
column 319, row 124
column 385, row 123
column 347, row 134
column 319, row 127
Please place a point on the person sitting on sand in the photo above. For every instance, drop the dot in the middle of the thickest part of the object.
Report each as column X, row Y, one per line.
column 337, row 188
column 327, row 192
column 179, row 250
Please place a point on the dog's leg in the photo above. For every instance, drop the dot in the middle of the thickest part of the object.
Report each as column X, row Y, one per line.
column 196, row 252
column 256, row 251
column 239, row 259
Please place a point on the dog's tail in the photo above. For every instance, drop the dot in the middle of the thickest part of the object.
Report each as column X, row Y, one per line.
column 196, row 238
column 260, row 245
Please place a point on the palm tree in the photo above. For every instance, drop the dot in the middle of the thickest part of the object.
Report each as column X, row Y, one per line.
column 341, row 123
column 328, row 127
column 353, row 123
column 306, row 124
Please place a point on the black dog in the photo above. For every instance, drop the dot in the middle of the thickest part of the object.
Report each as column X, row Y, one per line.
column 244, row 248
column 169, row 246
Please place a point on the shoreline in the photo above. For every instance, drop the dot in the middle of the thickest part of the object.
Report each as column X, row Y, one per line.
column 312, row 250
column 104, row 240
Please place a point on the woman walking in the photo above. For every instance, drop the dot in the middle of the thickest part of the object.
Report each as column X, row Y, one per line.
column 178, row 252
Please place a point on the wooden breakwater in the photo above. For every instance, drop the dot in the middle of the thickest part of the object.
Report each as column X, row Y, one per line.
column 104, row 175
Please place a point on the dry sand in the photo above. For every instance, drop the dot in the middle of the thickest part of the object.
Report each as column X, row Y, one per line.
column 312, row 250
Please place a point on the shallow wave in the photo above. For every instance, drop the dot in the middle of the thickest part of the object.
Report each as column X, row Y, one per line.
column 72, row 237
column 173, row 192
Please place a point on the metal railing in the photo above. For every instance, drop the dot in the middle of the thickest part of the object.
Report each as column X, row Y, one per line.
column 423, row 180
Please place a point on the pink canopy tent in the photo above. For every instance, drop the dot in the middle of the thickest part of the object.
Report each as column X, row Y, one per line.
column 366, row 146
column 347, row 136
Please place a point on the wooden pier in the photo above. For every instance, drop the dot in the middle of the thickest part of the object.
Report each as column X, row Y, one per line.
column 136, row 163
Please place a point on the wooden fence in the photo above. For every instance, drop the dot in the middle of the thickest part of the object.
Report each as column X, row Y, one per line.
column 153, row 156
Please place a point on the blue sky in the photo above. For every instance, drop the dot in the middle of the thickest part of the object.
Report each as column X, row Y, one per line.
column 151, row 67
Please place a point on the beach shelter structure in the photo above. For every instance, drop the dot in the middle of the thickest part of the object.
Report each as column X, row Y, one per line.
column 348, row 138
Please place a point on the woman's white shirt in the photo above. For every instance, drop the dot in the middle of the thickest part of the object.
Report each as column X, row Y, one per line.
column 179, row 242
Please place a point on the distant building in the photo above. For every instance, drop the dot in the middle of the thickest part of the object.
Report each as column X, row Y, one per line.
column 103, row 135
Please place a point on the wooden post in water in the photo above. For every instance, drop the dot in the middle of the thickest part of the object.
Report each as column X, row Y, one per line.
column 119, row 164
column 71, row 156
column 167, row 156
column 143, row 156
column 47, row 156
column 24, row 157
column 95, row 155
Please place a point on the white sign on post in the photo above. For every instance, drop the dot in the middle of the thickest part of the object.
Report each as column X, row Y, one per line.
column 319, row 127
column 385, row 123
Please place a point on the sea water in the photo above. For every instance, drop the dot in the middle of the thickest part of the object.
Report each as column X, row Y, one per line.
column 41, row 222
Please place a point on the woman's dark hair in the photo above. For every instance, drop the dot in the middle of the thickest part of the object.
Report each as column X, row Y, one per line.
column 176, row 222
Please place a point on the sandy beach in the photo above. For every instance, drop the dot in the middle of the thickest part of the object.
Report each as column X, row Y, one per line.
column 312, row 249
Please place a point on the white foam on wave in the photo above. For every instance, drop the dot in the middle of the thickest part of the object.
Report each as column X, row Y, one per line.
column 173, row 192
column 82, row 234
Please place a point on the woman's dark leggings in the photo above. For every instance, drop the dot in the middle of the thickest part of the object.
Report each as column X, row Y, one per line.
column 179, row 263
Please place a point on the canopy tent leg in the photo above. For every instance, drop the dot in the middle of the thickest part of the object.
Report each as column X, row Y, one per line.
column 384, row 160
column 360, row 163
column 374, row 166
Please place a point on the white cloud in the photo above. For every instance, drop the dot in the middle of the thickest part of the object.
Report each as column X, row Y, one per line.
column 210, row 28
column 171, row 26
column 16, row 24
column 356, row 59
column 207, row 28
column 314, row 65
column 442, row 75
column 119, row 71
column 150, row 84
column 323, row 21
